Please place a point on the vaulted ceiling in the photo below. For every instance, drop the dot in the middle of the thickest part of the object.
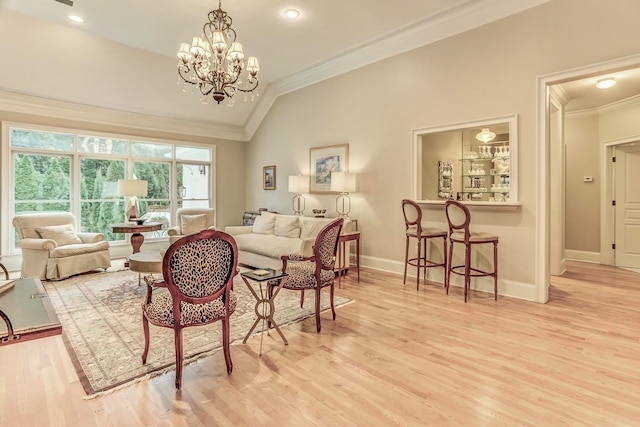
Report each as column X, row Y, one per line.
column 329, row 38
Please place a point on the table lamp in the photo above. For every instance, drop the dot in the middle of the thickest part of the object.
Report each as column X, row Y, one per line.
column 131, row 189
column 343, row 183
column 298, row 184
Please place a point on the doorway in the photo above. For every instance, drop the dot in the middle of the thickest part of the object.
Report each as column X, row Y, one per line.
column 625, row 175
column 550, row 256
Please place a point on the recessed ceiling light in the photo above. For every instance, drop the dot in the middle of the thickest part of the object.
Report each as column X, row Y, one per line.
column 291, row 13
column 606, row 83
column 76, row 18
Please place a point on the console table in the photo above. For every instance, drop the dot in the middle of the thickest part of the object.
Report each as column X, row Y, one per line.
column 27, row 313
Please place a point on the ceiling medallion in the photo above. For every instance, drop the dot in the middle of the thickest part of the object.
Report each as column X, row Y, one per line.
column 214, row 62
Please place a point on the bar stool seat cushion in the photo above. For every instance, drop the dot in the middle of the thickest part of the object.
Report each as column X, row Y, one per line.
column 474, row 237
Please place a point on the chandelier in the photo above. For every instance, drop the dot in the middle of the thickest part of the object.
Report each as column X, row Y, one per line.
column 214, row 62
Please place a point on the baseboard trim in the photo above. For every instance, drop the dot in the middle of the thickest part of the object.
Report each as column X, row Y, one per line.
column 583, row 256
column 507, row 288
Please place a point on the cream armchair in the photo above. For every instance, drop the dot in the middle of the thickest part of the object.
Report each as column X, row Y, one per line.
column 190, row 221
column 52, row 249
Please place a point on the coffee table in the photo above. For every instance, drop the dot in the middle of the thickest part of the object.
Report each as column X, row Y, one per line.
column 146, row 262
column 27, row 313
column 264, row 306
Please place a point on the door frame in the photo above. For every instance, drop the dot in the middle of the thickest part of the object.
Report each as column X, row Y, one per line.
column 544, row 212
column 607, row 190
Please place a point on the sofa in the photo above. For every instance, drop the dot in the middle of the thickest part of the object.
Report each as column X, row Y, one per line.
column 52, row 249
column 273, row 235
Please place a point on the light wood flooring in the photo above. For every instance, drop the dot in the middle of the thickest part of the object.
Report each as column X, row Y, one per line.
column 396, row 356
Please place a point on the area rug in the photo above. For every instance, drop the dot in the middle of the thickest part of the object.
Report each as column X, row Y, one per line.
column 102, row 327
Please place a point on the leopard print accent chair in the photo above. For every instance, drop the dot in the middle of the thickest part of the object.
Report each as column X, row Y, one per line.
column 317, row 271
column 198, row 271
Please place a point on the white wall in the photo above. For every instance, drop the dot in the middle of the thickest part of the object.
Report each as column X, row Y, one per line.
column 487, row 72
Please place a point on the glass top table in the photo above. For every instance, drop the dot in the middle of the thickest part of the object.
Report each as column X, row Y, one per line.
column 27, row 313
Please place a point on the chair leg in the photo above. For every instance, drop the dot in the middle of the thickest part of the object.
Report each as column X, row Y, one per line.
column 450, row 261
column 145, row 328
column 318, row 289
column 444, row 261
column 467, row 271
column 406, row 260
column 333, row 310
column 301, row 298
column 495, row 271
column 418, row 263
column 225, row 344
column 178, row 344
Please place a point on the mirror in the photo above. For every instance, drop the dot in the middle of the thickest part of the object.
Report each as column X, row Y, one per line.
column 473, row 162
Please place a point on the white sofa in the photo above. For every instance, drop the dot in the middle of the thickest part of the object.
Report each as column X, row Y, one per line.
column 52, row 249
column 272, row 235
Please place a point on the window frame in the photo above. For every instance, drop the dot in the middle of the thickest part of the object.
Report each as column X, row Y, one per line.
column 7, row 164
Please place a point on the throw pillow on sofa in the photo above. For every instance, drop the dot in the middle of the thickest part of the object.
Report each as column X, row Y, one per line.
column 312, row 226
column 287, row 226
column 61, row 234
column 192, row 224
column 265, row 223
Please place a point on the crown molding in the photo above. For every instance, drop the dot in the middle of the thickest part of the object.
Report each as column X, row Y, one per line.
column 608, row 108
column 456, row 21
column 28, row 104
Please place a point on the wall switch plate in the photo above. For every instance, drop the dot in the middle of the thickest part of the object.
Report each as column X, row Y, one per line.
column 588, row 179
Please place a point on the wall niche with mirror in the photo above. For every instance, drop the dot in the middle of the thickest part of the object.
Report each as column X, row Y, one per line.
column 471, row 162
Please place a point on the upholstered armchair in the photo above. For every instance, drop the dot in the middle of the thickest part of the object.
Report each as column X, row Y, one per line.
column 198, row 272
column 316, row 271
column 52, row 249
column 191, row 221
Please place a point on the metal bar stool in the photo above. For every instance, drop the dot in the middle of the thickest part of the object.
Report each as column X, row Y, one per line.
column 459, row 218
column 414, row 230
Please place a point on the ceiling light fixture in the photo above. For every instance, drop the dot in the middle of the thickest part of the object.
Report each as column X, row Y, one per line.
column 291, row 13
column 214, row 61
column 76, row 18
column 606, row 83
column 485, row 135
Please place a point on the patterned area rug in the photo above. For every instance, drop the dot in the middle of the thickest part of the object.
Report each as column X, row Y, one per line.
column 102, row 327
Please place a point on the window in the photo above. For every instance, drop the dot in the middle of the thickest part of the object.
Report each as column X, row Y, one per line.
column 64, row 170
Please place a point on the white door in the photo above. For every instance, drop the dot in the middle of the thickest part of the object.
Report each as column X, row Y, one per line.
column 627, row 207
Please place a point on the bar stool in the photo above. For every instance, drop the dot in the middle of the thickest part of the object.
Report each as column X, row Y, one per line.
column 413, row 224
column 459, row 218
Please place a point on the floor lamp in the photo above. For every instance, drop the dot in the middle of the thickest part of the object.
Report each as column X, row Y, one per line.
column 343, row 183
column 131, row 189
column 298, row 184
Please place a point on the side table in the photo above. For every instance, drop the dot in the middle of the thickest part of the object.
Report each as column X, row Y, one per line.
column 264, row 306
column 136, row 237
column 342, row 241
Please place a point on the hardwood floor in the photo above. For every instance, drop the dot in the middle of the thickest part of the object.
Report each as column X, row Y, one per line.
column 396, row 356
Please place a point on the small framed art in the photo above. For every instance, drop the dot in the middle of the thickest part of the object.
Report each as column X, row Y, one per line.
column 269, row 177
column 323, row 161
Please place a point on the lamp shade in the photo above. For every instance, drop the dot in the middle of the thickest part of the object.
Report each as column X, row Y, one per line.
column 343, row 182
column 132, row 187
column 298, row 184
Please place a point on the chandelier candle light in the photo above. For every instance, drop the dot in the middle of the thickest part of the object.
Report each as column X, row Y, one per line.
column 215, row 61
column 298, row 184
column 343, row 183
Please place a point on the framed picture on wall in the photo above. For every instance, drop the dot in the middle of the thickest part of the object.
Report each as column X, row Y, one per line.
column 323, row 161
column 269, row 178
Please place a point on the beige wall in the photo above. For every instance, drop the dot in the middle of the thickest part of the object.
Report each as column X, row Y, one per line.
column 582, row 208
column 488, row 72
